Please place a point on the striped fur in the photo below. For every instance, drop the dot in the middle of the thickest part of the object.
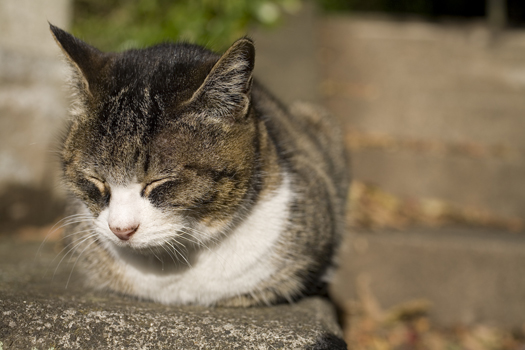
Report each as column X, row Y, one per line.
column 191, row 184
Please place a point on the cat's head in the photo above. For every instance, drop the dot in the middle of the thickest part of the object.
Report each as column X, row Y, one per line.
column 162, row 143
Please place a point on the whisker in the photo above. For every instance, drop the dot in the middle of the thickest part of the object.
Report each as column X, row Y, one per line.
column 200, row 243
column 53, row 229
column 74, row 241
column 175, row 252
column 194, row 240
column 68, row 245
column 82, row 252
column 161, row 261
column 181, row 255
column 168, row 251
column 191, row 232
column 76, row 233
column 82, row 240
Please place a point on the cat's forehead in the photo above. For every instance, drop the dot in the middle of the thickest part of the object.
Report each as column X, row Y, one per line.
column 141, row 87
column 163, row 68
column 144, row 82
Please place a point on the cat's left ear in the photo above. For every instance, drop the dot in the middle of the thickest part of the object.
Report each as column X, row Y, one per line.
column 225, row 93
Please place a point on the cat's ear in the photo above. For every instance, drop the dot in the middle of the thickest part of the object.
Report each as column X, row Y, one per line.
column 87, row 60
column 225, row 93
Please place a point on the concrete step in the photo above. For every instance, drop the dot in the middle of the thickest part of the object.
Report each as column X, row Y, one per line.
column 38, row 311
column 467, row 276
column 421, row 80
column 491, row 184
column 445, row 84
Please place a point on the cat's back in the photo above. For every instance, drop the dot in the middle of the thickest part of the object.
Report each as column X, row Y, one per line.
column 309, row 139
column 310, row 146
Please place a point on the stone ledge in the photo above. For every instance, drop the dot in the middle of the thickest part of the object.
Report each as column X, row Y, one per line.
column 490, row 184
column 468, row 275
column 37, row 311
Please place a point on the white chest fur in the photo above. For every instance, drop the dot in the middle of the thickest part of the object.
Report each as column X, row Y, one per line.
column 232, row 267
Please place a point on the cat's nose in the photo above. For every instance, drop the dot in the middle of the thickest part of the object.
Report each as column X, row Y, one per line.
column 124, row 233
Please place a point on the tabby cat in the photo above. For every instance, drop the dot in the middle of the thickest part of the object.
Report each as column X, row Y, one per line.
column 191, row 184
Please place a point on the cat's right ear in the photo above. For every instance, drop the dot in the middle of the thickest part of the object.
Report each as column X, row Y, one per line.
column 87, row 60
column 225, row 93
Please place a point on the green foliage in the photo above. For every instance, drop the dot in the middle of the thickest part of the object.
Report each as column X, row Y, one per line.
column 116, row 25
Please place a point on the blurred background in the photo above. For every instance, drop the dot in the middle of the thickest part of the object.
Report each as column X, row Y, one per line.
column 431, row 97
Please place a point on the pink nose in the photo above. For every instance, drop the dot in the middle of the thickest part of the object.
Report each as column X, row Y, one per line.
column 124, row 233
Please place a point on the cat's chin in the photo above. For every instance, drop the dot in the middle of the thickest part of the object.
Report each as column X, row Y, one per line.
column 153, row 259
column 151, row 249
column 133, row 248
column 139, row 250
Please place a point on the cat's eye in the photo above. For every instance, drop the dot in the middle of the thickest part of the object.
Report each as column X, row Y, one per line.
column 150, row 186
column 99, row 184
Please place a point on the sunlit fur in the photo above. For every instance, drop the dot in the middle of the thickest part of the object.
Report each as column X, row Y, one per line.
column 226, row 197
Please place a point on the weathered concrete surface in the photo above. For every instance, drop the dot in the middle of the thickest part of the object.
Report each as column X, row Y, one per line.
column 37, row 311
column 468, row 276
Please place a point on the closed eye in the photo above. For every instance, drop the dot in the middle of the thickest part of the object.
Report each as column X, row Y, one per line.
column 100, row 184
column 150, row 186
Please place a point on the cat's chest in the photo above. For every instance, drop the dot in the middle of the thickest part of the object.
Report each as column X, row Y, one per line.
column 234, row 266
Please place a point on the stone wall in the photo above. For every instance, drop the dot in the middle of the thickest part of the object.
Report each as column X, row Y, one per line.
column 32, row 109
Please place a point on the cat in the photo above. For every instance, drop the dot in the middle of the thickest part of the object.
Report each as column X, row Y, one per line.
column 191, row 184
